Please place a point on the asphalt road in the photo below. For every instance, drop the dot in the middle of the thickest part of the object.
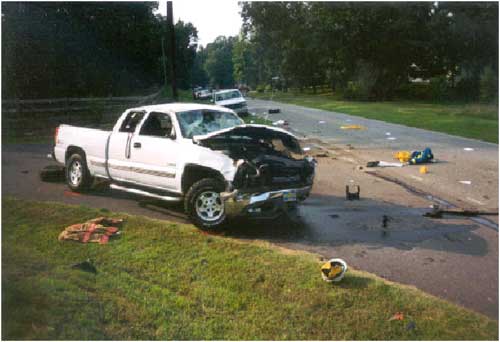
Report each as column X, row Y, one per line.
column 454, row 259
column 456, row 162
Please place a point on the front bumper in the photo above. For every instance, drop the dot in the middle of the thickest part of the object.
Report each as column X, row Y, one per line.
column 263, row 205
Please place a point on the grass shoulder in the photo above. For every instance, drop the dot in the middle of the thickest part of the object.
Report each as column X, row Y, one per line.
column 469, row 120
column 162, row 280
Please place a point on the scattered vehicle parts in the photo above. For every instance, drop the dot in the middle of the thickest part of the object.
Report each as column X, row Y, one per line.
column 333, row 270
column 402, row 156
column 351, row 196
column 380, row 163
column 203, row 155
column 98, row 230
column 468, row 149
column 398, row 316
column 423, row 170
column 420, row 157
column 466, row 182
column 358, row 127
column 86, row 266
column 438, row 212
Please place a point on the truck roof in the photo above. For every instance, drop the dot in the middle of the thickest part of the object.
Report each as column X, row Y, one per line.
column 180, row 107
column 225, row 91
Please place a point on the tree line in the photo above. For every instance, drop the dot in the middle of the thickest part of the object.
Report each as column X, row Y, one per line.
column 363, row 50
column 72, row 49
column 360, row 50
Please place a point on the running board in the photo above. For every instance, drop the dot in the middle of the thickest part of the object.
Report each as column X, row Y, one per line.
column 145, row 193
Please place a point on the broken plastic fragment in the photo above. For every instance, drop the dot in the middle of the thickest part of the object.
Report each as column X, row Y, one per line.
column 321, row 122
column 391, row 138
column 465, row 182
column 306, row 149
column 352, row 127
column 468, row 149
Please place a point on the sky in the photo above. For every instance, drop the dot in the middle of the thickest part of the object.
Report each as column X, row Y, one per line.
column 211, row 18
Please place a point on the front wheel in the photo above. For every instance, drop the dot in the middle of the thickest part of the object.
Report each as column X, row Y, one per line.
column 204, row 205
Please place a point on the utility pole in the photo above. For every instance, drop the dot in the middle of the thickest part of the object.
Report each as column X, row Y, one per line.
column 164, row 61
column 171, row 43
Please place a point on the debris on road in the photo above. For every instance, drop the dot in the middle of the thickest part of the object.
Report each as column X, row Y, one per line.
column 411, row 325
column 420, row 157
column 398, row 316
column 52, row 173
column 68, row 193
column 351, row 196
column 468, row 149
column 321, row 155
column 280, row 123
column 380, row 163
column 321, row 122
column 333, row 270
column 359, row 127
column 423, row 170
column 86, row 266
column 402, row 156
column 98, row 230
column 387, row 133
column 437, row 212
column 466, row 182
column 391, row 138
column 306, row 149
column 274, row 110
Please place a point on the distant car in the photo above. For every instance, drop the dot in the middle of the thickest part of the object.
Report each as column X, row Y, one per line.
column 204, row 94
column 232, row 99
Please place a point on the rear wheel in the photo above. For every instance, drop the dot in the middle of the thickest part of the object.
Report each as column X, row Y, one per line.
column 204, row 205
column 78, row 176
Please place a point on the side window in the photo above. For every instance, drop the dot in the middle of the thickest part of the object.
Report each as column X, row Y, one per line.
column 158, row 125
column 131, row 122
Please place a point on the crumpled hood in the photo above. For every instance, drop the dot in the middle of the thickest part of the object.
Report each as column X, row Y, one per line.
column 255, row 132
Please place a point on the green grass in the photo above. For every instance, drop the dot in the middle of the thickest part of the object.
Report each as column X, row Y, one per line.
column 477, row 121
column 162, row 280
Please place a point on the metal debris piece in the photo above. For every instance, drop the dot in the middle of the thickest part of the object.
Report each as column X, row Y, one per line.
column 437, row 212
column 350, row 196
column 86, row 266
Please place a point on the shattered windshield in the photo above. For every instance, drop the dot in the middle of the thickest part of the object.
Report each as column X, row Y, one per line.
column 227, row 95
column 200, row 122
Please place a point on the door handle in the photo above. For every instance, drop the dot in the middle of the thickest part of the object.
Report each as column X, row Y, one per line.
column 137, row 145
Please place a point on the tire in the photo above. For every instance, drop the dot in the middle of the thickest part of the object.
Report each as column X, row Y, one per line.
column 203, row 204
column 78, row 176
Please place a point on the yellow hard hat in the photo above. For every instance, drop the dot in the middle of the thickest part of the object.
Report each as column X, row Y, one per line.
column 333, row 270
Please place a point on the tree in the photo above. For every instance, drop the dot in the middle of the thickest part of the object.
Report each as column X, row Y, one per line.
column 219, row 62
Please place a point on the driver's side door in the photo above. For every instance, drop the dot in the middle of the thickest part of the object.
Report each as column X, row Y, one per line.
column 154, row 151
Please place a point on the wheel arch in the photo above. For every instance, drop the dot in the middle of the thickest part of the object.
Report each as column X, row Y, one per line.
column 193, row 173
column 72, row 149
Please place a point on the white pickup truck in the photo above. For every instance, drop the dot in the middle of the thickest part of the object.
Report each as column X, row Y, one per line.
column 203, row 155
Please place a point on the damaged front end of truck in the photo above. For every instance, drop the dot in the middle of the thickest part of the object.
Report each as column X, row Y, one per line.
column 271, row 173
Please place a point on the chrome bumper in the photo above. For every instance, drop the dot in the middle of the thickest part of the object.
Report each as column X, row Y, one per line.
column 265, row 204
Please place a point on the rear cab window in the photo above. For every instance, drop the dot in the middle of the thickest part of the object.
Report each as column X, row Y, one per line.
column 129, row 124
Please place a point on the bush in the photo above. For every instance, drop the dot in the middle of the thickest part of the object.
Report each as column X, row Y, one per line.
column 268, row 88
column 439, row 88
column 260, row 88
column 363, row 87
column 414, row 91
column 488, row 85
